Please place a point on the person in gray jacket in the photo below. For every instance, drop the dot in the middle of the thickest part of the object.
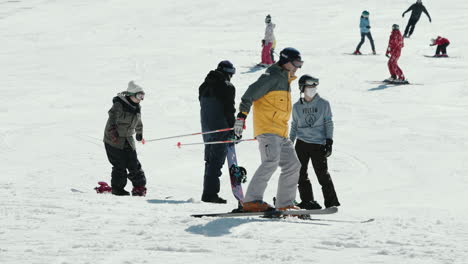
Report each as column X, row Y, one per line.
column 312, row 126
column 124, row 119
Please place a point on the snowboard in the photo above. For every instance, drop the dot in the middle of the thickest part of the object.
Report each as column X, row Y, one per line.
column 273, row 213
column 432, row 56
column 237, row 174
column 363, row 54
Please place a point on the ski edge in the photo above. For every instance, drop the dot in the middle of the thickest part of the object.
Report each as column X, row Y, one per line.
column 275, row 213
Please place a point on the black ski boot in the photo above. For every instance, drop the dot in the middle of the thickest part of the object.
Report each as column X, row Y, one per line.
column 309, row 205
column 120, row 192
column 215, row 199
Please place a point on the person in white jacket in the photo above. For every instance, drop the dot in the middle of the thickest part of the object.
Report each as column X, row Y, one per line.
column 268, row 42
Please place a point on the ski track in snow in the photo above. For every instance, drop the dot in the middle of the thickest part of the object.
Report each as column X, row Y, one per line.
column 399, row 153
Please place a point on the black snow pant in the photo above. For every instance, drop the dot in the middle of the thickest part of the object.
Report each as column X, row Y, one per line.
column 442, row 48
column 410, row 27
column 215, row 156
column 369, row 36
column 123, row 160
column 272, row 53
column 315, row 153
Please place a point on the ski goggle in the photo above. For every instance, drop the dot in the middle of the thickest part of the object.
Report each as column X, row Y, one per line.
column 229, row 70
column 297, row 63
column 311, row 83
column 140, row 96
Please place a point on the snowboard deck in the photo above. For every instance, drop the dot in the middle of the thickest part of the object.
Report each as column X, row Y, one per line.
column 363, row 54
column 235, row 173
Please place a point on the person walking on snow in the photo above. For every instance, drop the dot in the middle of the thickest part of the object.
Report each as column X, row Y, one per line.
column 312, row 125
column 124, row 119
column 416, row 10
column 442, row 44
column 217, row 111
column 364, row 25
column 268, row 42
column 395, row 44
column 270, row 96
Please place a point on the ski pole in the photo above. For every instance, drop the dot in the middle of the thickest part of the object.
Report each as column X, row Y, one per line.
column 215, row 142
column 192, row 134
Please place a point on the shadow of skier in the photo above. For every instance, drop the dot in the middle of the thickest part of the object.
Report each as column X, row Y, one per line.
column 223, row 226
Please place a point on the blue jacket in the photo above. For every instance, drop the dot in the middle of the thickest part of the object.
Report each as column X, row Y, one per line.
column 363, row 25
column 312, row 121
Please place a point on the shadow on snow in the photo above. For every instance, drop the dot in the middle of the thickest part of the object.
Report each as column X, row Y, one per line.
column 223, row 226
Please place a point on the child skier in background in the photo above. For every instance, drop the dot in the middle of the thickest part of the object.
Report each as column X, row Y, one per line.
column 312, row 125
column 395, row 44
column 267, row 42
column 124, row 119
column 364, row 25
column 442, row 44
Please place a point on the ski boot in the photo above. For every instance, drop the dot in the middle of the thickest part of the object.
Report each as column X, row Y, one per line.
column 357, row 52
column 257, row 206
column 391, row 79
column 103, row 188
column 139, row 191
column 309, row 205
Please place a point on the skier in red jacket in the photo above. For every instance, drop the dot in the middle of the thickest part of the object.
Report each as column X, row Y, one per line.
column 442, row 44
column 395, row 44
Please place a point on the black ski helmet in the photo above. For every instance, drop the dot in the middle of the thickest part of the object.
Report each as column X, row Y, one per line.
column 307, row 80
column 268, row 19
column 289, row 55
column 227, row 67
column 395, row 27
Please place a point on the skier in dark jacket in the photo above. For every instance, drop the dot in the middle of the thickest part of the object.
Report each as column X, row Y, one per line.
column 216, row 95
column 416, row 8
column 124, row 119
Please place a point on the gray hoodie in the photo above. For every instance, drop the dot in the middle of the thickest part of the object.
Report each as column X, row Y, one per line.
column 312, row 121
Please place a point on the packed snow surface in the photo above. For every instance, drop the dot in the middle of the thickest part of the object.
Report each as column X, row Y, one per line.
column 400, row 152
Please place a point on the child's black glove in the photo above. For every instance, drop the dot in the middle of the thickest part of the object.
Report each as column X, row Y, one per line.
column 139, row 137
column 328, row 147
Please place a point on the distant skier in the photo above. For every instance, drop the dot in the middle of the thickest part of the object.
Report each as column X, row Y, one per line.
column 270, row 96
column 395, row 44
column 416, row 10
column 364, row 25
column 217, row 111
column 442, row 44
column 268, row 42
column 312, row 125
column 124, row 119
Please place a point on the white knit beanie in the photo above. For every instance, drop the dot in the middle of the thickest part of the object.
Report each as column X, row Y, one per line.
column 134, row 88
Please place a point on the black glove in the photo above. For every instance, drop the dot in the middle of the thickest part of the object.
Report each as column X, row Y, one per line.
column 139, row 137
column 367, row 26
column 328, row 147
column 113, row 133
column 263, row 42
column 403, row 15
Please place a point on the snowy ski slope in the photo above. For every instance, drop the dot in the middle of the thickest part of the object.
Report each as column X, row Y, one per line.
column 400, row 153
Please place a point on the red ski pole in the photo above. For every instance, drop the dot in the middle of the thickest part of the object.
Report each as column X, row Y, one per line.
column 215, row 142
column 193, row 134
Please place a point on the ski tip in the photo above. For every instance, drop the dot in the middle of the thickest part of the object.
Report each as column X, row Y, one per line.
column 368, row 220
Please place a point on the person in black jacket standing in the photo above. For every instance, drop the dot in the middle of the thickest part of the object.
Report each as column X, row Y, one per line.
column 416, row 8
column 216, row 96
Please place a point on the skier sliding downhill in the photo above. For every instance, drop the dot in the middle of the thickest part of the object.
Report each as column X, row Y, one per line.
column 364, row 25
column 395, row 44
column 416, row 10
